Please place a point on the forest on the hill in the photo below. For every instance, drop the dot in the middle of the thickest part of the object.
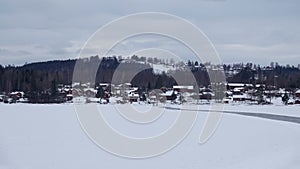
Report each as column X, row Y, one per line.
column 45, row 76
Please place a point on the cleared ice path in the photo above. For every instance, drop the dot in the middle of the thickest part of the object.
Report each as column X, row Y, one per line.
column 291, row 119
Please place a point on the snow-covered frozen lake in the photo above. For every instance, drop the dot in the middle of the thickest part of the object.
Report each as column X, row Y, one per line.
column 50, row 136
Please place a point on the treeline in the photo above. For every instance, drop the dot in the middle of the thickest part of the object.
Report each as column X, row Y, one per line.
column 43, row 77
column 36, row 76
column 274, row 75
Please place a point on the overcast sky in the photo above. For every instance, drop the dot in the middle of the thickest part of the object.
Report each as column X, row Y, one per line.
column 257, row 31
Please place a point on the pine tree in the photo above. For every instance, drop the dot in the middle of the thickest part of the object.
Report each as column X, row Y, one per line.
column 53, row 88
column 100, row 93
column 285, row 98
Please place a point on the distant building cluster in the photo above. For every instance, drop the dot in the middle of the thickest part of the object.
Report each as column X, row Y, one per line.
column 104, row 93
column 51, row 82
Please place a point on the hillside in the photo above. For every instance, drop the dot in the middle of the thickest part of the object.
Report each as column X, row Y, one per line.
column 152, row 73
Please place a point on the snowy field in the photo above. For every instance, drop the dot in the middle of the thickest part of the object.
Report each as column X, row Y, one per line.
column 50, row 136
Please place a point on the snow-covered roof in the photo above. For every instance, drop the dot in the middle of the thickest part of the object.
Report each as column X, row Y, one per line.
column 168, row 93
column 104, row 84
column 133, row 95
column 131, row 90
column 184, row 87
column 239, row 96
column 17, row 92
column 239, row 84
column 238, row 89
column 228, row 92
column 67, row 89
column 90, row 89
column 270, row 91
column 281, row 91
column 152, row 97
column 207, row 93
column 236, row 84
column 259, row 85
column 75, row 84
column 226, row 99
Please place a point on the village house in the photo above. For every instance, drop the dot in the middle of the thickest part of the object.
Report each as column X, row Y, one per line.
column 90, row 92
column 13, row 97
column 2, row 98
column 205, row 94
column 241, row 86
column 154, row 97
column 297, row 93
column 105, row 86
column 133, row 97
column 169, row 95
column 297, row 97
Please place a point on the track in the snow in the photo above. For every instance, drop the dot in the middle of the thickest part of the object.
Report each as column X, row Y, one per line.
column 290, row 119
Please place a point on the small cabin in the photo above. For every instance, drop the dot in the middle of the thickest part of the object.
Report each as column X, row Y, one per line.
column 297, row 93
column 170, row 95
column 133, row 97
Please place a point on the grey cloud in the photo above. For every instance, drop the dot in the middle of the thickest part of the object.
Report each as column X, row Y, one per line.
column 262, row 30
